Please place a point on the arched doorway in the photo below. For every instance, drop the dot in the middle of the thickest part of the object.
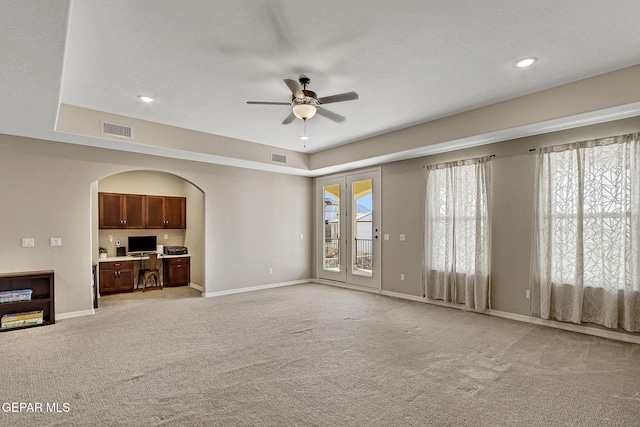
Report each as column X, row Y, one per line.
column 154, row 183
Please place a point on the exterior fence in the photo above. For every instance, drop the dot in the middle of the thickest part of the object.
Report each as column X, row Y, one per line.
column 363, row 248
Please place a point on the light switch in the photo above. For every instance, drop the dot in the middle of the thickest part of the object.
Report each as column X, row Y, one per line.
column 55, row 241
column 403, row 237
column 386, row 237
column 28, row 242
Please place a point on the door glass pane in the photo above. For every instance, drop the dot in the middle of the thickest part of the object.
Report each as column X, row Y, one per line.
column 362, row 227
column 331, row 244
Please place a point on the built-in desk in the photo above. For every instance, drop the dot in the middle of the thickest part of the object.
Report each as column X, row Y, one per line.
column 120, row 273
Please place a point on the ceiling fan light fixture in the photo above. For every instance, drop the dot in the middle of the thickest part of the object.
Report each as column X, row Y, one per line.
column 304, row 111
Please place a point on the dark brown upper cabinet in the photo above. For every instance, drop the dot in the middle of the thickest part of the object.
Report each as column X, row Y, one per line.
column 141, row 211
column 121, row 210
column 166, row 212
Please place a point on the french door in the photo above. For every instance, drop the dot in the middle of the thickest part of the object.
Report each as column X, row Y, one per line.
column 349, row 228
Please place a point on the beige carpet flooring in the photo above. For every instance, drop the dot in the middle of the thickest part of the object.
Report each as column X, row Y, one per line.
column 311, row 355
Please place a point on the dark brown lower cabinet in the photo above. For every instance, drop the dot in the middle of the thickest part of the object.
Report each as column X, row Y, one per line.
column 176, row 271
column 116, row 276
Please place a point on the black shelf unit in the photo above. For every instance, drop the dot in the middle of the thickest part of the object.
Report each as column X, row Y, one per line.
column 42, row 297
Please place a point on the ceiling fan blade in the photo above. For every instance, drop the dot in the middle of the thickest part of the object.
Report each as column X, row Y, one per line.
column 268, row 103
column 348, row 96
column 291, row 117
column 330, row 115
column 295, row 88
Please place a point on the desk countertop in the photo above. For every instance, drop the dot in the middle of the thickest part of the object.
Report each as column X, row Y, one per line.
column 138, row 258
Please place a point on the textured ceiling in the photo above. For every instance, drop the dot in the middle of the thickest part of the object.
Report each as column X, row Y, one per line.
column 411, row 61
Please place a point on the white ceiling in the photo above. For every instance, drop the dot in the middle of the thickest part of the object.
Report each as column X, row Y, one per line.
column 411, row 61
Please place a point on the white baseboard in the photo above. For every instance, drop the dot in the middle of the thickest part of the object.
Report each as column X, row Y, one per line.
column 347, row 286
column 589, row 330
column 255, row 288
column 74, row 314
column 403, row 296
column 196, row 287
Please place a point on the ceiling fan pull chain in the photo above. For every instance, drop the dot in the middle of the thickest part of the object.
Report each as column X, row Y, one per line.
column 305, row 133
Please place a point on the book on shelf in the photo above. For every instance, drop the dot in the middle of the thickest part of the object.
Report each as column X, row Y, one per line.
column 17, row 320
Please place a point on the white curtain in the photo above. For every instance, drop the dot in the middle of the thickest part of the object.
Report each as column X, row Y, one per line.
column 457, row 233
column 586, row 262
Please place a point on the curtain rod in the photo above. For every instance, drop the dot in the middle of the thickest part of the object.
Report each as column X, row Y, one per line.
column 490, row 155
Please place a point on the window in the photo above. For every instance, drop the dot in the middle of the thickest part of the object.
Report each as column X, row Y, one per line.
column 586, row 263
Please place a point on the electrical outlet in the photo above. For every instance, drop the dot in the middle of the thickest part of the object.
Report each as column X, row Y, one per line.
column 402, row 277
column 166, row 236
column 527, row 294
column 270, row 270
column 403, row 237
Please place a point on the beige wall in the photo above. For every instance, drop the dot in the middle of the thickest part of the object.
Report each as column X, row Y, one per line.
column 512, row 196
column 252, row 220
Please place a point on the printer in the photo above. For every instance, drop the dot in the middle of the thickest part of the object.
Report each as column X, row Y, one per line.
column 174, row 250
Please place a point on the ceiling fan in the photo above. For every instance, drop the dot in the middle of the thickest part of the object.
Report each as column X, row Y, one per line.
column 306, row 102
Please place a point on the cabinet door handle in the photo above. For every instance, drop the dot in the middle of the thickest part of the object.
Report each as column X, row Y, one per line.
column 117, row 265
column 178, row 266
column 115, row 274
column 125, row 222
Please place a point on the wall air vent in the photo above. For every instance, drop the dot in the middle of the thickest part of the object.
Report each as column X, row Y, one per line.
column 117, row 130
column 279, row 158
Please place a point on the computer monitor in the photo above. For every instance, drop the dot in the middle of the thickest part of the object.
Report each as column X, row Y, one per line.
column 142, row 244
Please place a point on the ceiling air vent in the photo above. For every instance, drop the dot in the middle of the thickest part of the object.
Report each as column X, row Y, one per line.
column 117, row 130
column 279, row 158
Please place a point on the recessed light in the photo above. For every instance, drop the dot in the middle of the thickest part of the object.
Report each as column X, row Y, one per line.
column 525, row 62
column 146, row 99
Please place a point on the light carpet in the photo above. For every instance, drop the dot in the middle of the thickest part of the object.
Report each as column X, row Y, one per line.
column 311, row 355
